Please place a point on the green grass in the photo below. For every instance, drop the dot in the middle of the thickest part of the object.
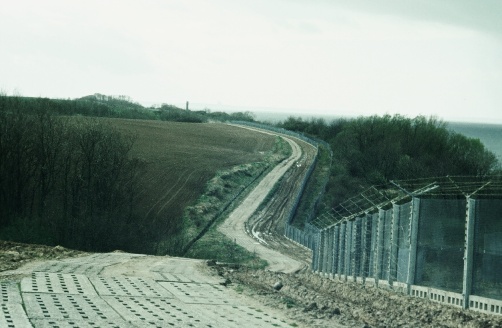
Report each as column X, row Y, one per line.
column 289, row 302
column 213, row 244
column 309, row 202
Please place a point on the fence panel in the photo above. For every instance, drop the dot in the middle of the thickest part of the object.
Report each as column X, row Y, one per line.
column 384, row 244
column 374, row 218
column 441, row 237
column 330, row 250
column 341, row 246
column 356, row 252
column 366, row 233
column 487, row 272
column 336, row 249
column 348, row 248
column 403, row 215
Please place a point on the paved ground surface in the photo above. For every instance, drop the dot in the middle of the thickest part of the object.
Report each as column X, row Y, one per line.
column 126, row 290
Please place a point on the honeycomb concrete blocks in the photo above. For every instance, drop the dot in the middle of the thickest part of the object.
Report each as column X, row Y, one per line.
column 125, row 290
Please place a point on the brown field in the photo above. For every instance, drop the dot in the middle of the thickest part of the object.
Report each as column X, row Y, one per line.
column 182, row 157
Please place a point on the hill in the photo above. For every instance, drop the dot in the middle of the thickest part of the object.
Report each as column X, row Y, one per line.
column 102, row 183
column 180, row 159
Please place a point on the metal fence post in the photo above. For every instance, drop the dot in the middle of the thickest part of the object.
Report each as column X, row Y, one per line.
column 468, row 250
column 394, row 237
column 413, row 239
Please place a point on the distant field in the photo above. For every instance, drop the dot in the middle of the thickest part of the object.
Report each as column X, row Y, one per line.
column 182, row 157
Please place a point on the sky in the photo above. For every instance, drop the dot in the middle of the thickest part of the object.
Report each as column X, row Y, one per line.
column 333, row 57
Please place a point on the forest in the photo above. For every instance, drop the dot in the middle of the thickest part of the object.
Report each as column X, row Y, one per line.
column 59, row 178
column 371, row 151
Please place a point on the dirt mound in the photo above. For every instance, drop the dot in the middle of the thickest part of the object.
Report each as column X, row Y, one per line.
column 321, row 302
column 13, row 255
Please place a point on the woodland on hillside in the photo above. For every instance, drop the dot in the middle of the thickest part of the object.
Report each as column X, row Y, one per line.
column 374, row 150
column 62, row 181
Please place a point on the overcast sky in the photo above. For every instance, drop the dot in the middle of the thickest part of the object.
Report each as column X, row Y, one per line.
column 348, row 57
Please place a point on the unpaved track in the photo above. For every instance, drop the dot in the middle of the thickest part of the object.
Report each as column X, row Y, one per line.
column 234, row 226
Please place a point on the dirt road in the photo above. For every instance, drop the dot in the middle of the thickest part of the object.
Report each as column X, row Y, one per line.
column 234, row 226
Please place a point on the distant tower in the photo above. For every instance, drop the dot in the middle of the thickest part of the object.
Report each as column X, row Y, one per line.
column 187, row 105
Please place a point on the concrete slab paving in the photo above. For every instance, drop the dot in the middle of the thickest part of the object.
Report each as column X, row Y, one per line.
column 88, row 265
column 47, row 282
column 10, row 293
column 243, row 316
column 175, row 277
column 129, row 286
column 12, row 315
column 63, row 306
column 52, row 323
column 68, row 267
column 125, row 290
column 191, row 293
column 158, row 312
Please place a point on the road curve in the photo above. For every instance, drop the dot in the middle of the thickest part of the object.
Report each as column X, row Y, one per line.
column 234, row 226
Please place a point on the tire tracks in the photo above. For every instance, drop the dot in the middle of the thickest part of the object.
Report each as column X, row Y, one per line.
column 234, row 227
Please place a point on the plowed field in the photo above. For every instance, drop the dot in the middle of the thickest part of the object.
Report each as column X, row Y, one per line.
column 182, row 157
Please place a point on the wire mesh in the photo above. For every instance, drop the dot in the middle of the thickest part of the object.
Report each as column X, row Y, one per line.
column 336, row 249
column 441, row 237
column 487, row 277
column 372, row 225
column 356, row 251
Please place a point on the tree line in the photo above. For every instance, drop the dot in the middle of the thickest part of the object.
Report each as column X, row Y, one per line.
column 374, row 150
column 64, row 181
column 99, row 105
